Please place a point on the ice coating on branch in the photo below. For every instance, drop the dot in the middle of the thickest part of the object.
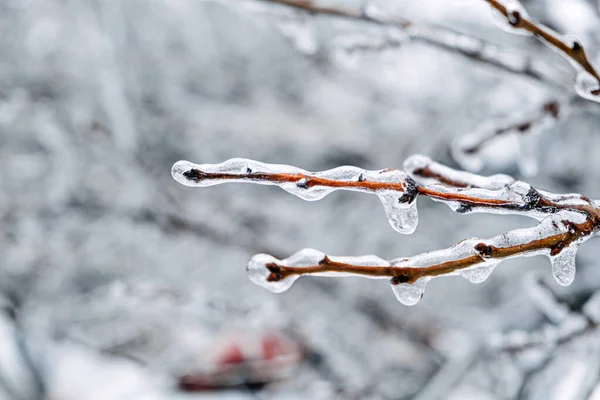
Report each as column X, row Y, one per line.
column 516, row 198
column 459, row 251
column 515, row 11
column 395, row 189
column 566, row 221
column 410, row 294
column 258, row 274
column 427, row 172
column 474, row 259
column 587, row 83
column 568, row 199
column 265, row 270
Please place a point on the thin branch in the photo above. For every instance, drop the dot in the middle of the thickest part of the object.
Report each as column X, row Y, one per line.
column 360, row 15
column 522, row 127
column 513, row 197
column 410, row 274
column 475, row 48
column 444, row 38
column 573, row 51
column 476, row 149
column 428, row 172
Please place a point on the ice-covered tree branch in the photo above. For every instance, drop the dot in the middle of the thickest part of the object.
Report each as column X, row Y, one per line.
column 444, row 38
column 565, row 220
column 587, row 82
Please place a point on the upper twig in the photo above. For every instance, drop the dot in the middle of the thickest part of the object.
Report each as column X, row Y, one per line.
column 573, row 50
column 445, row 38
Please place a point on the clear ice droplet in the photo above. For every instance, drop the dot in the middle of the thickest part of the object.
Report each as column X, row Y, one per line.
column 410, row 294
column 403, row 217
column 563, row 265
column 587, row 86
column 480, row 273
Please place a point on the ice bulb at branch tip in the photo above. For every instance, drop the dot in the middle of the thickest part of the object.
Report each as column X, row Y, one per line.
column 179, row 169
column 587, row 86
column 260, row 274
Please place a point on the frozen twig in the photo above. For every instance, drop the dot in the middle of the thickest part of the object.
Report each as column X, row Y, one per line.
column 444, row 38
column 588, row 81
column 565, row 221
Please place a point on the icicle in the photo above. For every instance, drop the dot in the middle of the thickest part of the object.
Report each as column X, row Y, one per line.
column 480, row 273
column 410, row 294
column 563, row 265
column 402, row 216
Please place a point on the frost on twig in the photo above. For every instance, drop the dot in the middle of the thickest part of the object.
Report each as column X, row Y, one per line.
column 566, row 221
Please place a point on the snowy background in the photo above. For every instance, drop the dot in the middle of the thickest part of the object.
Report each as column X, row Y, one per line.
column 119, row 283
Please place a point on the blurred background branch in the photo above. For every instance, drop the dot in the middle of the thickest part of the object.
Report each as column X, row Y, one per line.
column 129, row 286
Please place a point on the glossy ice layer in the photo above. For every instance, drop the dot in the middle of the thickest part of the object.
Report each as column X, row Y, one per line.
column 418, row 162
column 401, row 210
column 515, row 10
column 563, row 225
column 484, row 256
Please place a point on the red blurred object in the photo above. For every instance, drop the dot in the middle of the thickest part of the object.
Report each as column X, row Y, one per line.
column 247, row 363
